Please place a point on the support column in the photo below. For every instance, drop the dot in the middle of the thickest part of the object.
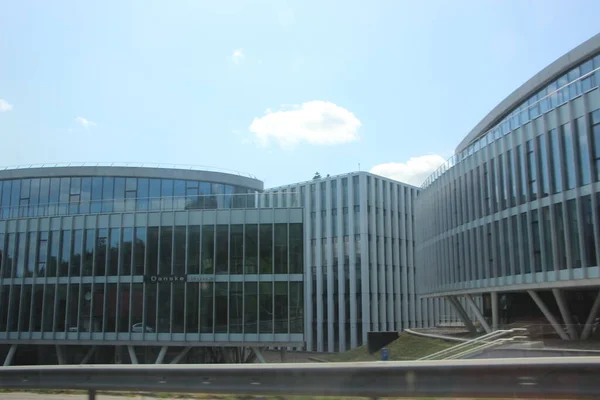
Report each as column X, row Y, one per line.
column 10, row 355
column 478, row 313
column 536, row 298
column 565, row 313
column 180, row 356
column 60, row 355
column 494, row 297
column 88, row 355
column 462, row 314
column 132, row 355
column 259, row 355
column 589, row 323
column 283, row 353
column 161, row 355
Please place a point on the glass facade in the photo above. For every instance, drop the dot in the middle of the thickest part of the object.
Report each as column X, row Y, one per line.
column 572, row 84
column 137, row 259
column 131, row 289
column 40, row 197
column 549, row 229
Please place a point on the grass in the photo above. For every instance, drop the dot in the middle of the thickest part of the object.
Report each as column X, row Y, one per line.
column 406, row 347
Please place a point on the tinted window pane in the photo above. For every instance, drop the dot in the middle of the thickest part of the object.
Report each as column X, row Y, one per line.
column 296, row 249
column 139, row 251
column 166, row 250
column 237, row 249
column 266, row 307
column 251, row 238
column 222, row 249
column 266, row 249
column 250, row 307
column 281, row 249
column 193, row 249
column 179, row 252
column 126, row 251
column 208, row 242
column 206, row 307
column 152, row 251
column 236, row 304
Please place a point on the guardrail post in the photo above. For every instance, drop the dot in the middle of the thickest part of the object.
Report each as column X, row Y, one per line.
column 91, row 394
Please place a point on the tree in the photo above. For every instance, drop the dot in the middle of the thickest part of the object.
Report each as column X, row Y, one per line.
column 317, row 176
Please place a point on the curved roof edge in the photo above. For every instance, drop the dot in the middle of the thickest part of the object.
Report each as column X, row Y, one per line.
column 133, row 172
column 545, row 76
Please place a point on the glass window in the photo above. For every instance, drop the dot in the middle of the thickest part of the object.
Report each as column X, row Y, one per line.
column 192, row 302
column 100, row 252
column 152, row 251
column 532, row 170
column 560, row 236
column 76, row 258
column 265, row 307
column 88, row 252
column 31, row 253
column 119, row 194
column 544, row 166
column 107, row 194
column 221, row 309
column 5, row 201
column 208, row 250
column 206, row 306
column 297, row 307
column 596, row 143
column 126, row 251
column 251, row 249
column 556, row 161
column 142, row 193
column 139, row 251
column 163, row 308
column 166, row 250
column 525, row 244
column 281, row 307
column 222, row 243
column 179, row 252
column 21, row 252
column 65, row 184
column 535, row 234
column 250, row 307
column 48, row 308
column 193, row 249
column 65, row 253
column 236, row 249
column 281, row 249
column 113, row 253
column 584, row 152
column 154, row 194
column 588, row 231
column 568, row 160
column 53, row 253
column 574, row 233
column 236, row 307
column 96, row 205
column 85, row 196
column 266, row 249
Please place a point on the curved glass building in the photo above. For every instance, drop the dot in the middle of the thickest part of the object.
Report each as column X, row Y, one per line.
column 510, row 226
column 147, row 264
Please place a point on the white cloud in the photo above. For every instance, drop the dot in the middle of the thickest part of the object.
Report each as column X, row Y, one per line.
column 85, row 123
column 5, row 105
column 414, row 171
column 314, row 122
column 238, row 56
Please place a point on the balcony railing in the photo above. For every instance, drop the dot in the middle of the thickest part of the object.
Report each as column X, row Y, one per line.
column 174, row 203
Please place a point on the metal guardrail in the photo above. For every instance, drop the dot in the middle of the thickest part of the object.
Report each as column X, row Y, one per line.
column 565, row 377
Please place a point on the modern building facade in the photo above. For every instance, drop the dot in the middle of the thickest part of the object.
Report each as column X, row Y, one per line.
column 359, row 258
column 512, row 220
column 146, row 264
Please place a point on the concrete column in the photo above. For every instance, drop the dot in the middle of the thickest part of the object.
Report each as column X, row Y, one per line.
column 494, row 296
column 565, row 313
column 283, row 353
column 60, row 356
column 161, row 355
column 478, row 314
column 180, row 356
column 536, row 298
column 462, row 314
column 259, row 355
column 589, row 323
column 132, row 355
column 88, row 355
column 10, row 355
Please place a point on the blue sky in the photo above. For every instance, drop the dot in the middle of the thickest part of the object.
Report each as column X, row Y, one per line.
column 279, row 89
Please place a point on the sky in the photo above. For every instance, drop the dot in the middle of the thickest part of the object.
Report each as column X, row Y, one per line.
column 276, row 89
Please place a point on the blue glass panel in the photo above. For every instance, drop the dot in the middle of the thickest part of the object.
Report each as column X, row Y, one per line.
column 108, row 194
column 96, row 206
column 86, row 195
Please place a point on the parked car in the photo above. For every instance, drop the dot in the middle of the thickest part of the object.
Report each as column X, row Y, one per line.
column 139, row 327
